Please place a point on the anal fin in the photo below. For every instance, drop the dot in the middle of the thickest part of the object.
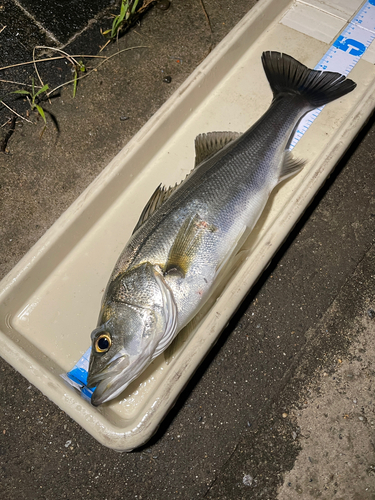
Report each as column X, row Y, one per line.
column 290, row 166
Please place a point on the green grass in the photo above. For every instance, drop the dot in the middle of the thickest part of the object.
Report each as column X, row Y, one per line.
column 32, row 97
column 127, row 11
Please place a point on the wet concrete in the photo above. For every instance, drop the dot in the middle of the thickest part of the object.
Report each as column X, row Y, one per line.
column 248, row 421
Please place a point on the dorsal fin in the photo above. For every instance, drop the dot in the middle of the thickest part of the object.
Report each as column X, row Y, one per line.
column 159, row 196
column 206, row 145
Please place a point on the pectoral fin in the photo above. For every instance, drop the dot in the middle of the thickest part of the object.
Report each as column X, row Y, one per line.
column 186, row 244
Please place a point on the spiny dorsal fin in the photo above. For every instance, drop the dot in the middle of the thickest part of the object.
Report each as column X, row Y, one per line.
column 159, row 196
column 207, row 145
column 290, row 166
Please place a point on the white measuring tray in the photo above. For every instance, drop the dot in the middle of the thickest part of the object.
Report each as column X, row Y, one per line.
column 49, row 303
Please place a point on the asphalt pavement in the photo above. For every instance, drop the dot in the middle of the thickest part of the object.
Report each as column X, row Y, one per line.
column 283, row 406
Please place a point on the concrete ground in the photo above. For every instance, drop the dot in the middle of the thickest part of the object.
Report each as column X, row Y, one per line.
column 283, row 406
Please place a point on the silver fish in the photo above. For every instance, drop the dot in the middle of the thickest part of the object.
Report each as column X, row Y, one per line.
column 186, row 234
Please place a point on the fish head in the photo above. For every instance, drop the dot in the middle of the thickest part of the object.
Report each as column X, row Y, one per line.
column 138, row 316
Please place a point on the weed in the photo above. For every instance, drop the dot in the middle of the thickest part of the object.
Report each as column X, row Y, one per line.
column 80, row 67
column 124, row 19
column 32, row 97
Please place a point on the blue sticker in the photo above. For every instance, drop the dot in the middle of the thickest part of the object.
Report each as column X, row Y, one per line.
column 77, row 377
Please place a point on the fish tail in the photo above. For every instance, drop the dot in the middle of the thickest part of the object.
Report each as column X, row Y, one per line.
column 288, row 76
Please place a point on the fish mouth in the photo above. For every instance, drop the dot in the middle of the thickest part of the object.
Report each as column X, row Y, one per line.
column 109, row 382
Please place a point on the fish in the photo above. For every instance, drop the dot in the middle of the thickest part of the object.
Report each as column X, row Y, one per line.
column 187, row 233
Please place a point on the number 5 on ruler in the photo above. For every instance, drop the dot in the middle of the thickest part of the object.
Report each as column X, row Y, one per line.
column 354, row 47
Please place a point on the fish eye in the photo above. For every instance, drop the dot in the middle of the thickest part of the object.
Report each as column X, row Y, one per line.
column 103, row 343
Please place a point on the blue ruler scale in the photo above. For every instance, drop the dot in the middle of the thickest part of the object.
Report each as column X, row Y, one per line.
column 341, row 57
column 344, row 54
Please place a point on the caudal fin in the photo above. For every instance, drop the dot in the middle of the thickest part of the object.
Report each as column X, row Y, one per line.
column 286, row 75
